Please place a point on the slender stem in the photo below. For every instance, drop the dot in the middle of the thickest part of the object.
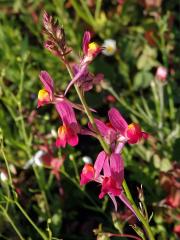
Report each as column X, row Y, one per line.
column 37, row 175
column 161, row 99
column 87, row 11
column 31, row 221
column 88, row 112
column 106, row 148
column 75, row 169
column 9, row 193
column 138, row 213
column 7, row 165
column 98, row 9
column 4, row 212
column 156, row 100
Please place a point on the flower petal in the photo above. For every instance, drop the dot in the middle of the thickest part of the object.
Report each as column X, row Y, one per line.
column 86, row 41
column 48, row 82
column 61, row 142
column 113, row 200
column 87, row 174
column 72, row 139
column 99, row 163
column 76, row 77
column 117, row 167
column 66, row 112
column 117, row 120
column 106, row 167
column 127, row 203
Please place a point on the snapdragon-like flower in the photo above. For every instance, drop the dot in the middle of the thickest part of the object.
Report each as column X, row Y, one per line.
column 108, row 170
column 87, row 79
column 68, row 132
column 90, row 51
column 131, row 133
column 111, row 180
column 46, row 95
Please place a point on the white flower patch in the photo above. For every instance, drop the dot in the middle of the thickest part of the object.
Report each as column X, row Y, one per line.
column 109, row 47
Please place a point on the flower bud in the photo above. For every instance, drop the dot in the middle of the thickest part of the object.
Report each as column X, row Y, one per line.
column 161, row 73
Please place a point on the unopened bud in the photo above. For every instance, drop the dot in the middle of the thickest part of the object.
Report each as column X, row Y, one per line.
column 161, row 73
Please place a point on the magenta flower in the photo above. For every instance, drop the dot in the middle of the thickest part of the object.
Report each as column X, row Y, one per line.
column 87, row 174
column 68, row 132
column 54, row 163
column 111, row 180
column 131, row 133
column 46, row 95
column 90, row 51
column 110, row 135
column 87, row 79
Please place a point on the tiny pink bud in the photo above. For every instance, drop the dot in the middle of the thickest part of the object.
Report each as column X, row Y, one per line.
column 161, row 73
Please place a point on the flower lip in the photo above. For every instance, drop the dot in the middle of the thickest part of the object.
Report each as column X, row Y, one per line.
column 67, row 135
column 87, row 174
column 133, row 133
column 109, row 185
column 43, row 97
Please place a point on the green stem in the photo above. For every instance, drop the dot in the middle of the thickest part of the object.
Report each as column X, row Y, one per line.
column 87, row 11
column 41, row 187
column 82, row 13
column 13, row 193
column 88, row 112
column 98, row 9
column 75, row 169
column 156, row 100
column 106, row 149
column 31, row 221
column 161, row 99
column 4, row 212
column 138, row 213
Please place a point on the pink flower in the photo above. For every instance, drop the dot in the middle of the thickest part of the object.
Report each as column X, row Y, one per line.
column 90, row 51
column 113, row 174
column 176, row 230
column 67, row 133
column 111, row 180
column 161, row 73
column 46, row 95
column 121, row 2
column 87, row 79
column 131, row 133
column 53, row 163
column 87, row 174
column 109, row 185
